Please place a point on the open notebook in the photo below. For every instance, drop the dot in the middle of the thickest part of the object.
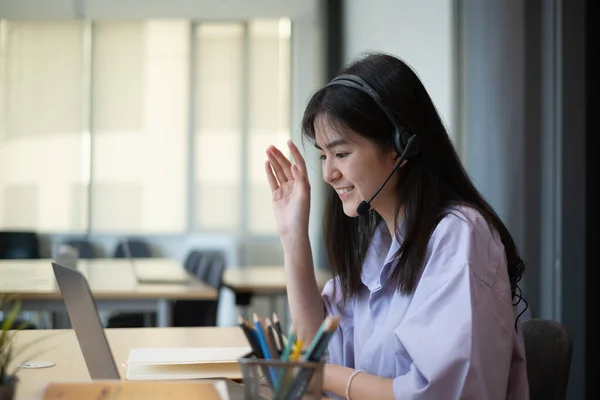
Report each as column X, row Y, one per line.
column 185, row 363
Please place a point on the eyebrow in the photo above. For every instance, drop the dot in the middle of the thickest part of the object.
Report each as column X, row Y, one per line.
column 337, row 142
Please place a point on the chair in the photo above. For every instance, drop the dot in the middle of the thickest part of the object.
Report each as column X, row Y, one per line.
column 84, row 248
column 136, row 320
column 15, row 245
column 209, row 268
column 19, row 245
column 137, row 248
column 191, row 261
column 548, row 349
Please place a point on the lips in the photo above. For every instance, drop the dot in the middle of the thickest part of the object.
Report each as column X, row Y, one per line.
column 344, row 190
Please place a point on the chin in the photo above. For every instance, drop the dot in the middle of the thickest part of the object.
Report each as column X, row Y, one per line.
column 350, row 210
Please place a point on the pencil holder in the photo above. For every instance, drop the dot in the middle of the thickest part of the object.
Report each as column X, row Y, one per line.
column 282, row 380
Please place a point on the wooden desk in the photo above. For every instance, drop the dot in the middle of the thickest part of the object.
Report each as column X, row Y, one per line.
column 61, row 347
column 113, row 282
column 263, row 280
column 247, row 282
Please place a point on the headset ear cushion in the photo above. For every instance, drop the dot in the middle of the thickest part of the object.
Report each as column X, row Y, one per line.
column 398, row 143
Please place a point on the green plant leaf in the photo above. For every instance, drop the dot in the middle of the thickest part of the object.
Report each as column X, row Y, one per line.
column 12, row 316
column 7, row 334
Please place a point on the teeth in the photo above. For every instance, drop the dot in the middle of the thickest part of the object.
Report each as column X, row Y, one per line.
column 344, row 190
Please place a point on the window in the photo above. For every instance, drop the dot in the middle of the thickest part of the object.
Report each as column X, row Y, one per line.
column 44, row 150
column 269, row 122
column 140, row 122
column 111, row 109
column 242, row 90
column 219, row 114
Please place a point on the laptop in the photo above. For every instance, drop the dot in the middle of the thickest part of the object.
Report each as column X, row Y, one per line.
column 86, row 322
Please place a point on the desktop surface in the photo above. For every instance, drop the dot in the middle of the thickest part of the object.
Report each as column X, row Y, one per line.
column 61, row 348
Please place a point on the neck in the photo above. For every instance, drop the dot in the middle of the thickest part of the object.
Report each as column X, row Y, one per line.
column 391, row 222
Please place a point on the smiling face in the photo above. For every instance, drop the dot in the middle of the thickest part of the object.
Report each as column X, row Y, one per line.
column 355, row 167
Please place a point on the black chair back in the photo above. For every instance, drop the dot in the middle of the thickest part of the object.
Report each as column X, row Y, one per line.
column 210, row 266
column 191, row 261
column 548, row 350
column 84, row 248
column 19, row 245
column 138, row 249
column 16, row 245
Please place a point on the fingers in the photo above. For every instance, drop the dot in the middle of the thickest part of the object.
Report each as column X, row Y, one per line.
column 297, row 174
column 280, row 170
column 298, row 159
column 280, row 164
column 270, row 176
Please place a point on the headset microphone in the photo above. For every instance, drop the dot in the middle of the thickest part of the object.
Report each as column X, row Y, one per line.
column 409, row 151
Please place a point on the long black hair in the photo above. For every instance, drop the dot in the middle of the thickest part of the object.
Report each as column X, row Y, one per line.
column 429, row 186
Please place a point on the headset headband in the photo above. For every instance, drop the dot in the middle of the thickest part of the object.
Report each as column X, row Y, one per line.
column 357, row 82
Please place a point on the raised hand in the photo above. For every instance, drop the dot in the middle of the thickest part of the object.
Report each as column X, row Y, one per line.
column 290, row 191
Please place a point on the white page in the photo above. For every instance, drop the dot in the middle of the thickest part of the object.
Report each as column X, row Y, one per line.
column 184, row 371
column 186, row 355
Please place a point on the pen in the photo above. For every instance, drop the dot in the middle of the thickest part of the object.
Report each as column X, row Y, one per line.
column 254, row 345
column 268, row 328
column 264, row 346
column 277, row 327
column 285, row 356
column 325, row 325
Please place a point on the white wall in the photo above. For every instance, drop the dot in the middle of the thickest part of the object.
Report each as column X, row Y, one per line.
column 418, row 31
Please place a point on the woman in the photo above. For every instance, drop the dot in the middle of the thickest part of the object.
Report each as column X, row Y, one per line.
column 425, row 280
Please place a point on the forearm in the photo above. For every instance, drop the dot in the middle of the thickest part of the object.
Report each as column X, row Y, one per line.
column 305, row 301
column 363, row 385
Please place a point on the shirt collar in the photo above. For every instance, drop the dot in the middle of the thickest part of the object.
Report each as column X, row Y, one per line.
column 380, row 254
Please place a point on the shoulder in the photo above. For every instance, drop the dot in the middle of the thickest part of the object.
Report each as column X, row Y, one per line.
column 464, row 239
column 462, row 222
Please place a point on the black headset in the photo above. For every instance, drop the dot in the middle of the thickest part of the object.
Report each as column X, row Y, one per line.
column 406, row 144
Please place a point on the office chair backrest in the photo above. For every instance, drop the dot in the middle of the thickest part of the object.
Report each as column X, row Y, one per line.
column 19, row 245
column 191, row 261
column 84, row 248
column 548, row 350
column 137, row 248
column 210, row 268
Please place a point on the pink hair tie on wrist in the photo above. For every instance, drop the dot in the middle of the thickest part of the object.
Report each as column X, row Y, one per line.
column 350, row 381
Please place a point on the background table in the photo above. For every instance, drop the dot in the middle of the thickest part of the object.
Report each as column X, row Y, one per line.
column 113, row 283
column 270, row 282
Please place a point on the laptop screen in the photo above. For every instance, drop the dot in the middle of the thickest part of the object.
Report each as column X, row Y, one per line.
column 86, row 323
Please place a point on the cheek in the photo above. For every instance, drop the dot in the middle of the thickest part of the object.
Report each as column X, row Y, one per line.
column 367, row 180
column 372, row 177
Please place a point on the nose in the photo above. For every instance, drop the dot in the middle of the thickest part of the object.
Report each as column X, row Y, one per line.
column 330, row 172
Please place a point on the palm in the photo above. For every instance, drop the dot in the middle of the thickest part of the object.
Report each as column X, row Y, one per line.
column 290, row 192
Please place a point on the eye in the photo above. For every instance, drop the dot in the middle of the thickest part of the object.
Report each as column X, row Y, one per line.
column 341, row 155
column 322, row 157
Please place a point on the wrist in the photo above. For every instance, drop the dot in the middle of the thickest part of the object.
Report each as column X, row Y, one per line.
column 292, row 241
column 327, row 376
column 339, row 380
column 349, row 383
